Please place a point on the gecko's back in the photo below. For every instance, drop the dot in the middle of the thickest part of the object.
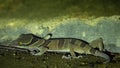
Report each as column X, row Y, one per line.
column 64, row 44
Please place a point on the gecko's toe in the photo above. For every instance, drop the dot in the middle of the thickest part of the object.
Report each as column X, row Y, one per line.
column 77, row 57
column 34, row 52
column 66, row 57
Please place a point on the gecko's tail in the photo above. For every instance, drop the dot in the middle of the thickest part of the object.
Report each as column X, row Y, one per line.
column 103, row 55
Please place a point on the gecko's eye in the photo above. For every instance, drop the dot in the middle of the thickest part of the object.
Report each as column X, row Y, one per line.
column 19, row 43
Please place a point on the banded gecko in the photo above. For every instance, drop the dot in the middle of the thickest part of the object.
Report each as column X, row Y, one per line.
column 39, row 46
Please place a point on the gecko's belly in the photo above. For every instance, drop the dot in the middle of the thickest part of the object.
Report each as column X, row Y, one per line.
column 58, row 50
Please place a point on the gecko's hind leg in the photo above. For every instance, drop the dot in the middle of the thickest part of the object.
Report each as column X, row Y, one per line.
column 98, row 43
column 69, row 56
column 73, row 53
column 66, row 56
column 77, row 55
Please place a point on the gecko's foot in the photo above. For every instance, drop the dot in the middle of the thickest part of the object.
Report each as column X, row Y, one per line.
column 34, row 52
column 77, row 57
column 70, row 57
column 66, row 57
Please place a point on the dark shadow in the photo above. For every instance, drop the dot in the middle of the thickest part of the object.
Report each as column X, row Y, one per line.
column 112, row 55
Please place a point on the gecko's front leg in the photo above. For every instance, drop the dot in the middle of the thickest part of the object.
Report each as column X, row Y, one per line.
column 34, row 51
column 39, row 51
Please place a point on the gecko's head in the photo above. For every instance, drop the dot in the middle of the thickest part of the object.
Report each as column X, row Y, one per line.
column 23, row 39
column 27, row 39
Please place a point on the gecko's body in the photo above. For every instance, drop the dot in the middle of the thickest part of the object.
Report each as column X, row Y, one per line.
column 38, row 46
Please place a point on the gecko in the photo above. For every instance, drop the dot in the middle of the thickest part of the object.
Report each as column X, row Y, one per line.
column 40, row 45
